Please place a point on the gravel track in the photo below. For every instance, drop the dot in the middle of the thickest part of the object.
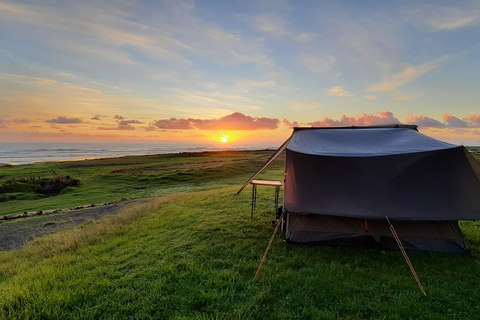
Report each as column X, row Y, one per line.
column 17, row 233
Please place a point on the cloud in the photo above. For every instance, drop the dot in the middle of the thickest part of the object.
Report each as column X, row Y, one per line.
column 20, row 121
column 450, row 121
column 371, row 97
column 423, row 121
column 473, row 119
column 126, row 122
column 408, row 74
column 289, row 124
column 408, row 98
column 119, row 127
column 339, row 91
column 445, row 18
column 3, row 123
column 322, row 65
column 272, row 24
column 119, row 33
column 174, row 124
column 304, row 105
column 454, row 122
column 98, row 117
column 234, row 121
column 118, row 117
column 216, row 102
column 385, row 117
column 305, row 37
column 256, row 84
column 65, row 120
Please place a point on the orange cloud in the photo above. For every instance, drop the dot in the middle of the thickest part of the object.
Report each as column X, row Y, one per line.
column 423, row 121
column 385, row 117
column 454, row 122
column 234, row 121
column 289, row 124
column 473, row 120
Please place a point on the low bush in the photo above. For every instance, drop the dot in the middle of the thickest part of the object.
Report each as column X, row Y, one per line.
column 55, row 185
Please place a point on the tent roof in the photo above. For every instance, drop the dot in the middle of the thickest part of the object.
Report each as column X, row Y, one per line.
column 363, row 141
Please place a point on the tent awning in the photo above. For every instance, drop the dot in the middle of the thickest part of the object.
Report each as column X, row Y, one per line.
column 363, row 142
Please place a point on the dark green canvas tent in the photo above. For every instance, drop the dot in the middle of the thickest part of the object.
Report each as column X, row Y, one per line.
column 342, row 183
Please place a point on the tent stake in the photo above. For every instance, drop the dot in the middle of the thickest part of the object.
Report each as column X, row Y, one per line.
column 395, row 235
column 269, row 244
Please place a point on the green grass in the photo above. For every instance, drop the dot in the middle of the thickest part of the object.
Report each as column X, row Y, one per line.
column 106, row 180
column 193, row 255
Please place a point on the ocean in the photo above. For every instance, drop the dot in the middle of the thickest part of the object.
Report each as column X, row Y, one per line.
column 17, row 153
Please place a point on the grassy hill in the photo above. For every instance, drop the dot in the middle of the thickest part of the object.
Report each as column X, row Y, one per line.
column 191, row 253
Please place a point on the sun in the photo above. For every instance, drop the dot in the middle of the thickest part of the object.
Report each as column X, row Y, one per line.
column 224, row 138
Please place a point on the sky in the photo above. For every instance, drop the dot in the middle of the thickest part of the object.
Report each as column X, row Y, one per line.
column 244, row 72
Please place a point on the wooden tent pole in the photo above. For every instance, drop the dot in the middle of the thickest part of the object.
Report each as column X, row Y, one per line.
column 269, row 244
column 395, row 235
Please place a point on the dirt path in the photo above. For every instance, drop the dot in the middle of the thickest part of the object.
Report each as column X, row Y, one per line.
column 15, row 234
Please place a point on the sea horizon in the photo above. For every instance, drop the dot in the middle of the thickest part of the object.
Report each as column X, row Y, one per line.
column 20, row 153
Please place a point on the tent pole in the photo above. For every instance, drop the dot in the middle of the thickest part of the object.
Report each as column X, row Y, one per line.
column 395, row 235
column 269, row 244
column 272, row 157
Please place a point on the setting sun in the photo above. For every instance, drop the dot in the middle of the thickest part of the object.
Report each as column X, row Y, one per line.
column 224, row 138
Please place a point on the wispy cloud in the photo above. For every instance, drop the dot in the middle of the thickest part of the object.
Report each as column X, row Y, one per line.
column 247, row 85
column 409, row 74
column 339, row 91
column 306, row 37
column 371, row 97
column 219, row 99
column 273, row 24
column 322, row 65
column 125, row 122
column 304, row 105
column 440, row 17
column 408, row 98
column 101, row 30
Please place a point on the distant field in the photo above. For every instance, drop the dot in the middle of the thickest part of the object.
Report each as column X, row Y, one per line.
column 105, row 180
column 191, row 253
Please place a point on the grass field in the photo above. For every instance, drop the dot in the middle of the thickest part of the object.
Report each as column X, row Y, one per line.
column 105, row 180
column 191, row 253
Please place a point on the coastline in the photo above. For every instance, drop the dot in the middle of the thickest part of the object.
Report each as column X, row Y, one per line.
column 13, row 154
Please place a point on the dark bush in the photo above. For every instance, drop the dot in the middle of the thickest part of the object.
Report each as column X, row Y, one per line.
column 55, row 185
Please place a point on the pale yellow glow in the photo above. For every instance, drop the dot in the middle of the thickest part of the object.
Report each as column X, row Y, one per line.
column 224, row 138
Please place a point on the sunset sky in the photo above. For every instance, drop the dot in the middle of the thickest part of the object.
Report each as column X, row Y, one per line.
column 197, row 71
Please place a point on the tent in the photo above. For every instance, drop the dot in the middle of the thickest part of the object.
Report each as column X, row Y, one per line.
column 341, row 184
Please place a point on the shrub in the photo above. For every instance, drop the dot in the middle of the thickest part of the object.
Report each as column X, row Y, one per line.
column 55, row 185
